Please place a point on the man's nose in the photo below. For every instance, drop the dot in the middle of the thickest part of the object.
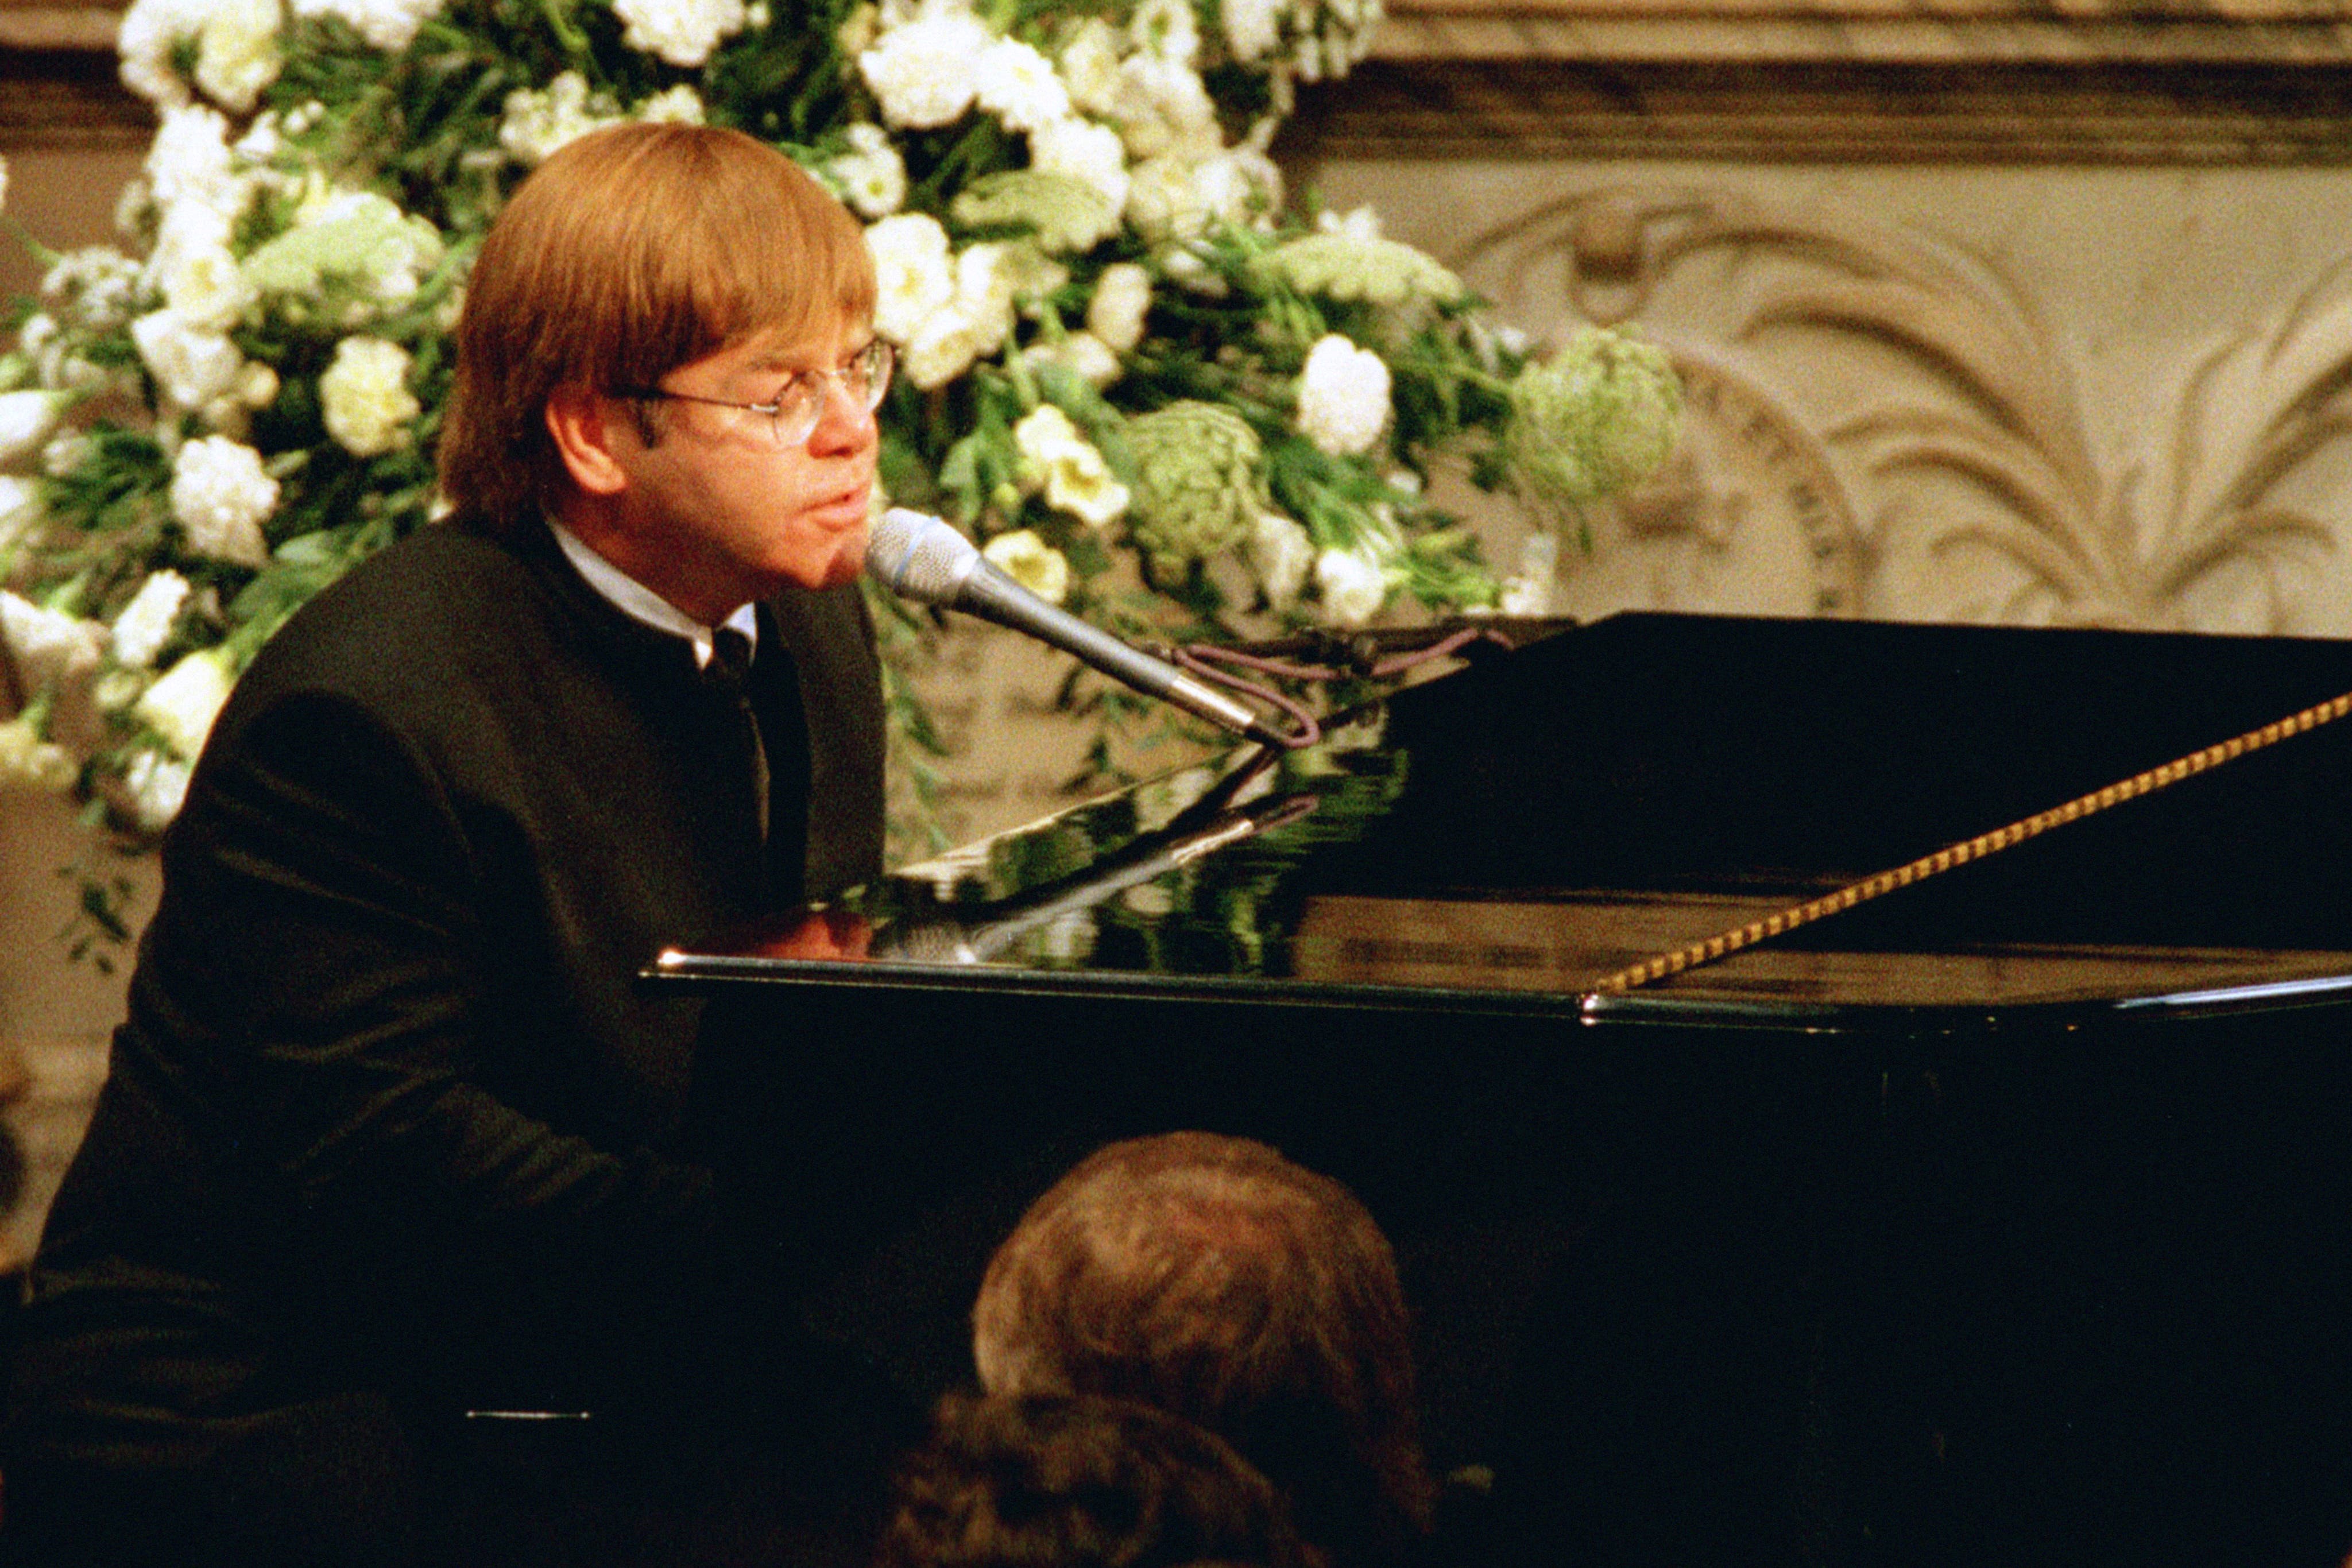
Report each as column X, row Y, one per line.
column 844, row 421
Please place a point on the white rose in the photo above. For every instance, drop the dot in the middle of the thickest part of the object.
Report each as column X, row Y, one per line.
column 1163, row 107
column 872, row 176
column 1083, row 354
column 182, row 705
column 1089, row 64
column 682, row 32
column 159, row 788
column 365, row 396
column 1238, row 186
column 189, row 159
column 191, row 365
column 145, row 623
column 1343, row 397
column 222, row 497
column 1253, row 27
column 51, row 648
column 1031, row 562
column 1121, row 299
column 25, row 420
column 945, row 346
column 681, row 105
column 1083, row 151
column 1353, row 587
column 1042, row 432
column 1280, row 552
column 1166, row 30
column 921, row 74
column 533, row 125
column 28, row 761
column 96, row 285
column 236, row 51
column 387, row 24
column 150, row 31
column 195, row 269
column 914, row 276
column 1016, row 83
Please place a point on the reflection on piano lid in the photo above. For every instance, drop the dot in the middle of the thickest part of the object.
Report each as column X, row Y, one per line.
column 1519, row 831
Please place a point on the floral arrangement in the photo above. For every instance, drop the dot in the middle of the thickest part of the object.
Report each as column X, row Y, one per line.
column 1155, row 390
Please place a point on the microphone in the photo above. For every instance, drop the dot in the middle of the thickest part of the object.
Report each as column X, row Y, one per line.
column 924, row 560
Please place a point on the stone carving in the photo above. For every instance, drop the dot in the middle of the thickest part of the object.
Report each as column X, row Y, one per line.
column 1883, row 422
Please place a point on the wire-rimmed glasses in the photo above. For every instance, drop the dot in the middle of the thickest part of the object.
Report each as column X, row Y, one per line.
column 793, row 413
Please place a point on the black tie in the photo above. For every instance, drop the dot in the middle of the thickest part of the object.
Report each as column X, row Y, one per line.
column 730, row 667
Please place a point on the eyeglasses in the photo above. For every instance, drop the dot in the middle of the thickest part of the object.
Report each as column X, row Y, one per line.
column 793, row 414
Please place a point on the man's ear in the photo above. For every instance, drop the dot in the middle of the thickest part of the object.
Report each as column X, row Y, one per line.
column 578, row 422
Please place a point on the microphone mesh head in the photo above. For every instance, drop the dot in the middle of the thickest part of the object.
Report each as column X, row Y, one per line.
column 920, row 557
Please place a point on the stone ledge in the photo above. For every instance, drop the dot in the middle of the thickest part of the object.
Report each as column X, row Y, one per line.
column 1824, row 111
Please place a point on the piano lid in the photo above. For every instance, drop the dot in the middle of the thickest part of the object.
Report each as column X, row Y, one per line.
column 1506, row 837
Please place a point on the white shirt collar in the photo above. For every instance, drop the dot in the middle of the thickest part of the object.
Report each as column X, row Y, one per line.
column 638, row 602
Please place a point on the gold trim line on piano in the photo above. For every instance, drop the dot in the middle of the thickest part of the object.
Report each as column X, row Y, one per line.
column 1977, row 848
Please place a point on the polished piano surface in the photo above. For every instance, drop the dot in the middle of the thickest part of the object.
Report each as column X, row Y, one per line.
column 2003, row 1217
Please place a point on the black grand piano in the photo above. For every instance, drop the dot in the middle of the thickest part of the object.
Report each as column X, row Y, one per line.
column 2003, row 1219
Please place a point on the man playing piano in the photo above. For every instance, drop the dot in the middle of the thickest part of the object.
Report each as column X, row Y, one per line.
column 390, row 1137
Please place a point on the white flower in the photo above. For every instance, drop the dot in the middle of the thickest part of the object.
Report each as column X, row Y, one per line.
column 871, row 175
column 221, row 497
column 150, row 31
column 182, row 705
column 195, row 269
column 1280, row 552
column 191, row 365
column 1083, row 354
column 365, row 398
column 1253, row 27
column 236, row 51
column 1122, row 296
column 1529, row 590
column 1353, row 587
column 144, row 624
column 534, row 124
column 682, row 32
column 1163, row 107
column 28, row 761
column 1363, row 224
column 1343, row 397
column 25, row 420
column 681, row 105
column 51, row 647
column 1089, row 64
column 1031, row 562
column 1069, row 467
column 95, row 286
column 1083, row 151
column 190, row 160
column 159, row 788
column 921, row 74
column 387, row 24
column 1016, row 83
column 1166, row 30
column 357, row 235
column 946, row 344
column 914, row 276
column 20, row 513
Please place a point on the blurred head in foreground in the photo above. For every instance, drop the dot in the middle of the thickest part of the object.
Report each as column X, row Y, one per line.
column 1053, row 1481
column 1212, row 1278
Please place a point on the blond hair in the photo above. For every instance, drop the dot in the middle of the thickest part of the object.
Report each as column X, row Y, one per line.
column 631, row 251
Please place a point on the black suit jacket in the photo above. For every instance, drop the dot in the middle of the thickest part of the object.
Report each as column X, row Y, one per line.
column 389, row 1119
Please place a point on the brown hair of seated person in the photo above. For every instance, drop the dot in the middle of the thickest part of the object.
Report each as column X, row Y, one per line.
column 631, row 251
column 1210, row 1276
column 1053, row 1481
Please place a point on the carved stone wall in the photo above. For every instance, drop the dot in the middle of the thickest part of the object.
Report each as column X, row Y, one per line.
column 1985, row 312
